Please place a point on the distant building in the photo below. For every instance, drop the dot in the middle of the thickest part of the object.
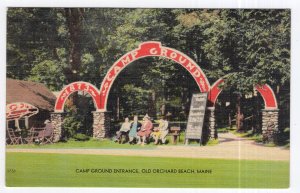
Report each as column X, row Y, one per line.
column 21, row 99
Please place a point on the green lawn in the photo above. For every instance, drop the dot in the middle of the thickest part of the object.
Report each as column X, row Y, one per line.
column 30, row 169
column 90, row 144
column 93, row 143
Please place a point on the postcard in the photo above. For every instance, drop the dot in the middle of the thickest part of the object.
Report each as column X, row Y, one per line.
column 148, row 97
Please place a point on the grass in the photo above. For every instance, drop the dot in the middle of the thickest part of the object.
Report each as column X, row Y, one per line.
column 212, row 142
column 59, row 170
column 250, row 135
column 90, row 144
column 258, row 138
column 223, row 130
column 93, row 143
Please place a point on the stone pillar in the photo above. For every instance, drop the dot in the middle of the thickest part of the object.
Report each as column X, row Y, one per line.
column 101, row 124
column 57, row 120
column 270, row 125
column 211, row 122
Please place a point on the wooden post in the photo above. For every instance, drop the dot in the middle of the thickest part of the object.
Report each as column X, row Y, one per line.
column 26, row 122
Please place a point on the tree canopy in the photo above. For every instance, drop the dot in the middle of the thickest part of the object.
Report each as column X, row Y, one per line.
column 56, row 46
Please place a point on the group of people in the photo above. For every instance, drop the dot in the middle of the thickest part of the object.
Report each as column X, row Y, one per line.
column 143, row 131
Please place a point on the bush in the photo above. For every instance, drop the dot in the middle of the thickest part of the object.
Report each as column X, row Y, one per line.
column 287, row 130
column 71, row 126
column 258, row 138
column 81, row 137
column 283, row 137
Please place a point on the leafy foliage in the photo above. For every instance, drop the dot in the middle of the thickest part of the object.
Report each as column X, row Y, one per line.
column 71, row 126
column 247, row 47
column 81, row 137
column 48, row 72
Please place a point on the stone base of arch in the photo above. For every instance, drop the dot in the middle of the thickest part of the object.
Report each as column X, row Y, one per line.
column 270, row 125
column 211, row 123
column 57, row 121
column 101, row 124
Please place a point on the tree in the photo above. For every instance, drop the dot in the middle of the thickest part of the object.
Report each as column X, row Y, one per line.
column 74, row 25
column 32, row 37
column 249, row 46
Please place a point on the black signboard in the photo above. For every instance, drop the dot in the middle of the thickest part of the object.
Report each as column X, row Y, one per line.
column 196, row 117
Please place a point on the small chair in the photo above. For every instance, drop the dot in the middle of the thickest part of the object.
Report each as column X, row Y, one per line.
column 14, row 137
column 32, row 134
column 46, row 136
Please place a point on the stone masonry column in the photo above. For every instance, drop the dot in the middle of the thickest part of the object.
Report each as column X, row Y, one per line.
column 57, row 121
column 101, row 124
column 269, row 125
column 211, row 122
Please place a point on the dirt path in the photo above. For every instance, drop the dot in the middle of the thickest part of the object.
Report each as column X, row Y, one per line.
column 230, row 147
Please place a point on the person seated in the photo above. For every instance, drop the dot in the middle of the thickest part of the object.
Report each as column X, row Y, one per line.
column 134, row 128
column 46, row 131
column 155, row 134
column 145, row 130
column 161, row 132
column 164, row 129
column 123, row 131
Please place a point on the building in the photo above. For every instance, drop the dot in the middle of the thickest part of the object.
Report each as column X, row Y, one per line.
column 27, row 103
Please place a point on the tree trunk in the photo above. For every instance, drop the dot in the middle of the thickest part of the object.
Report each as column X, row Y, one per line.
column 239, row 115
column 118, row 108
column 229, row 120
column 163, row 109
column 184, row 101
column 74, row 24
column 152, row 102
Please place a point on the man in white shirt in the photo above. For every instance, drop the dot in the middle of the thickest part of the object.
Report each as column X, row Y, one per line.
column 124, row 130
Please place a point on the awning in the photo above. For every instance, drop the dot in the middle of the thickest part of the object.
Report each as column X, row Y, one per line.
column 19, row 110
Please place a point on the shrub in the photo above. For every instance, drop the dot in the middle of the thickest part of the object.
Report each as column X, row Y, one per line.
column 71, row 126
column 283, row 137
column 258, row 138
column 81, row 137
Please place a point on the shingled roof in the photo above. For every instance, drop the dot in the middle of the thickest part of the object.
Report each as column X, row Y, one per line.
column 33, row 93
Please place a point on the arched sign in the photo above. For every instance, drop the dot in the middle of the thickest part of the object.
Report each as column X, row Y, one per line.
column 265, row 91
column 18, row 110
column 214, row 92
column 268, row 95
column 75, row 87
column 151, row 49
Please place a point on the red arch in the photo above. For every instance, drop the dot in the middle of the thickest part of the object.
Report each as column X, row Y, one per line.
column 151, row 49
column 214, row 92
column 268, row 95
column 265, row 91
column 75, row 87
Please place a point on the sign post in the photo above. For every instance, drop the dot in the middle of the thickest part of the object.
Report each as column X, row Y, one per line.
column 196, row 117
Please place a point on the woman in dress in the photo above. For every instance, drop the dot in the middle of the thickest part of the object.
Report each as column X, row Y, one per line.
column 145, row 130
column 161, row 132
column 134, row 128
